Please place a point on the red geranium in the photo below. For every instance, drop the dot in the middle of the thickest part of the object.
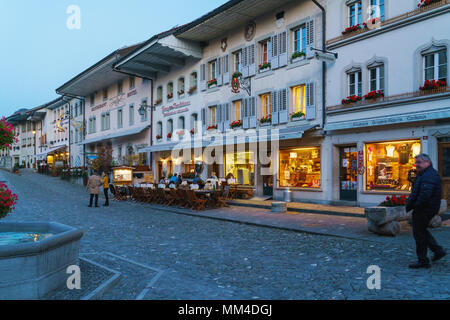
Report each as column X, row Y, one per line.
column 351, row 99
column 432, row 85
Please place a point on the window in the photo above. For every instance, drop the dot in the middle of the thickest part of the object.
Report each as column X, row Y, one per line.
column 169, row 126
column 376, row 78
column 299, row 99
column 435, row 65
column 212, row 70
column 92, row 99
column 355, row 13
column 159, row 131
column 119, row 152
column 120, row 87
column 237, row 110
column 300, row 168
column 132, row 82
column 181, row 123
column 390, row 165
column 105, row 125
column 170, row 90
column 237, row 61
column 120, row 118
column 377, row 9
column 300, row 39
column 241, row 166
column 92, row 125
column 181, row 86
column 144, row 115
column 193, row 82
column 131, row 115
column 266, row 107
column 194, row 119
column 212, row 116
column 105, row 94
column 355, row 83
column 159, row 94
column 264, row 51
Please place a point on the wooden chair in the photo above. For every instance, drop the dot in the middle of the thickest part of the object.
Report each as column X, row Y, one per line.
column 182, row 198
column 197, row 204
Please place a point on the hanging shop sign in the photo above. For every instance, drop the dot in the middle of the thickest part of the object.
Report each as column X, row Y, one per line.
column 176, row 108
column 235, row 85
column 361, row 167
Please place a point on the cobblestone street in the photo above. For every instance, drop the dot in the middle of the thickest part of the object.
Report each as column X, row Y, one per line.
column 164, row 255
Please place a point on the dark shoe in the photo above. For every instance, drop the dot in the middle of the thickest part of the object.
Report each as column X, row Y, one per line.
column 97, row 206
column 90, row 206
column 419, row 265
column 438, row 256
column 106, row 205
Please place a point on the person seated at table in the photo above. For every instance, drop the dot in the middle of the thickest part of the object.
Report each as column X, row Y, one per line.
column 174, row 179
column 180, row 179
column 198, row 180
column 162, row 180
column 213, row 176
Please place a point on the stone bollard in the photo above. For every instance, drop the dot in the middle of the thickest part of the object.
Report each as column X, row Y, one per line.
column 279, row 207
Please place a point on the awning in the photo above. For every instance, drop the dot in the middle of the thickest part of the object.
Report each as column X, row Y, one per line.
column 42, row 155
column 442, row 113
column 116, row 135
column 178, row 145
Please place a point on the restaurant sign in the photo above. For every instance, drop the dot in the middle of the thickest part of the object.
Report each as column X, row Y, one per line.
column 176, row 108
column 405, row 118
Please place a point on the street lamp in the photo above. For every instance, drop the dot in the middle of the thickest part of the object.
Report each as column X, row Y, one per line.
column 143, row 108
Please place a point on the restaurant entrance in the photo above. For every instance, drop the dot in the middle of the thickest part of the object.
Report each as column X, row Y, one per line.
column 348, row 173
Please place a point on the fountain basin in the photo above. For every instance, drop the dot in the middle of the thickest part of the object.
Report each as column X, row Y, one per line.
column 34, row 269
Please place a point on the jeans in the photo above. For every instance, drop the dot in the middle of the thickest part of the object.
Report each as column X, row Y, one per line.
column 96, row 200
column 105, row 191
column 423, row 237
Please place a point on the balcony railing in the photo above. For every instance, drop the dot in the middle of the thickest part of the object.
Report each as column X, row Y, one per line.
column 391, row 99
column 406, row 15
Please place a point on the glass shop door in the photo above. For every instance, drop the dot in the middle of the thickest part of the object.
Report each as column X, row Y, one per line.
column 348, row 173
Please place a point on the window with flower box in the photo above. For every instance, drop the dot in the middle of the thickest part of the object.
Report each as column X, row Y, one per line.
column 212, row 116
column 299, row 44
column 237, row 110
column 212, row 70
column 159, row 130
column 159, row 95
column 298, row 101
column 193, row 83
column 169, row 90
column 181, row 123
column 181, row 86
column 377, row 9
column 435, row 65
column 169, row 127
column 355, row 13
column 355, row 83
column 266, row 105
column 237, row 57
column 376, row 78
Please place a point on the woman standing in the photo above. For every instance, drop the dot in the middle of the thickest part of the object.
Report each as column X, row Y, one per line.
column 105, row 182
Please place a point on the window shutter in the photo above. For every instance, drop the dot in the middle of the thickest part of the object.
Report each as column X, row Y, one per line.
column 219, row 75
column 245, row 62
column 310, row 32
column 226, row 109
column 283, row 112
column 274, row 103
column 283, row 58
column 310, row 101
column 219, row 117
column 226, row 69
column 274, row 59
column 251, row 60
column 252, row 107
column 245, row 122
column 203, row 120
column 202, row 77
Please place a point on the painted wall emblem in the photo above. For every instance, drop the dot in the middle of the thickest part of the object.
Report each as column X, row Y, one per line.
column 250, row 30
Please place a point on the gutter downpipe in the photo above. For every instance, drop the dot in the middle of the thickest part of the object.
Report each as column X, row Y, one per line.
column 324, row 64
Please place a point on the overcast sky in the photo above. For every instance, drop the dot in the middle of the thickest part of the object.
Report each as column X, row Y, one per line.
column 39, row 52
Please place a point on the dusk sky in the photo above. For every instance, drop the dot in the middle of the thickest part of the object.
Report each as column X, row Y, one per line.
column 40, row 53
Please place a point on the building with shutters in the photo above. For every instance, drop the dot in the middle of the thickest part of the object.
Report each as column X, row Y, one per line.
column 373, row 137
column 267, row 137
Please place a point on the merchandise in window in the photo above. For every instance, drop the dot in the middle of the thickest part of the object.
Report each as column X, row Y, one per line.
column 241, row 167
column 390, row 165
column 300, row 168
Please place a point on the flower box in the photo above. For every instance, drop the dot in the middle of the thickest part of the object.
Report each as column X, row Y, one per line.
column 212, row 83
column 433, row 85
column 298, row 56
column 169, row 136
column 354, row 28
column 211, row 128
column 264, row 67
column 373, row 95
column 351, row 99
column 169, row 96
column 236, row 124
column 424, row 3
column 298, row 119
column 265, row 124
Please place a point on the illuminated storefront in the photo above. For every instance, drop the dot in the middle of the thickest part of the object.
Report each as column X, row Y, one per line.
column 300, row 168
column 242, row 166
column 390, row 165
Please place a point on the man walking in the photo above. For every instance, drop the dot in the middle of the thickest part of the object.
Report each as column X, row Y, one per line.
column 93, row 187
column 425, row 200
column 105, row 182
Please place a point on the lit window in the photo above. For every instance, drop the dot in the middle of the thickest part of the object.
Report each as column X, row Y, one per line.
column 237, row 110
column 299, row 99
column 264, row 50
column 300, row 168
column 266, row 108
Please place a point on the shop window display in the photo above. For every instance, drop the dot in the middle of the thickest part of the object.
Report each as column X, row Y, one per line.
column 390, row 165
column 241, row 165
column 300, row 168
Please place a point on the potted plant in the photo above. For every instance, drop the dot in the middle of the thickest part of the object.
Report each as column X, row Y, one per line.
column 158, row 137
column 296, row 116
column 266, row 120
column 351, row 99
column 236, row 124
column 212, row 82
column 433, row 85
column 169, row 96
column 210, row 128
column 354, row 28
column 193, row 132
column 298, row 55
column 424, row 3
column 192, row 89
column 169, row 135
column 7, row 200
column 180, row 92
column 264, row 67
column 373, row 95
column 384, row 218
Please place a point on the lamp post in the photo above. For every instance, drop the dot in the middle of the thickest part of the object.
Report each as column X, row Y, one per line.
column 34, row 153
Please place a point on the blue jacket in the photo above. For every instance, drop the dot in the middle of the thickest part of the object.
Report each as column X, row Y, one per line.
column 426, row 195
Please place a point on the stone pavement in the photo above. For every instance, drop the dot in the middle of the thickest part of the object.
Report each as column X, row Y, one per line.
column 167, row 255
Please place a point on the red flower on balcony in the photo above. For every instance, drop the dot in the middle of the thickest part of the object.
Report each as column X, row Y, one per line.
column 372, row 95
column 236, row 124
column 424, row 3
column 169, row 135
column 211, row 82
column 158, row 137
column 354, row 28
column 351, row 99
column 211, row 127
column 169, row 95
column 433, row 85
column 193, row 131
